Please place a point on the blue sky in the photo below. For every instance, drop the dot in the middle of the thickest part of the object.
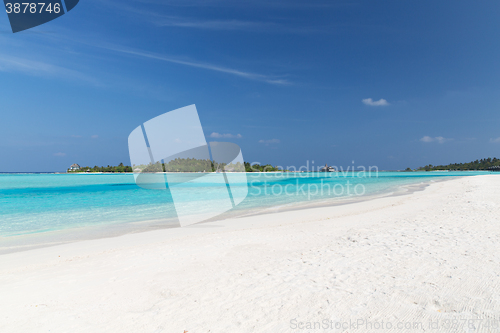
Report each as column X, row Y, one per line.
column 392, row 83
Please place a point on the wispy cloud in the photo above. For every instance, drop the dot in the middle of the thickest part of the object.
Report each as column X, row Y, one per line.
column 245, row 4
column 495, row 140
column 94, row 136
column 159, row 19
column 228, row 135
column 371, row 102
column 187, row 22
column 39, row 68
column 438, row 139
column 229, row 25
column 246, row 75
column 268, row 142
column 60, row 154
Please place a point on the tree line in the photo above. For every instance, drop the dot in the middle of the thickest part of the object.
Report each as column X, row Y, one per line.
column 482, row 164
column 119, row 168
column 182, row 165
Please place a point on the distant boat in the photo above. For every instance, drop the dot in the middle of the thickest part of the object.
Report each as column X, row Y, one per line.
column 327, row 168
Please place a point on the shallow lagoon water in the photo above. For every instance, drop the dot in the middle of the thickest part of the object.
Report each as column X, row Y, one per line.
column 36, row 203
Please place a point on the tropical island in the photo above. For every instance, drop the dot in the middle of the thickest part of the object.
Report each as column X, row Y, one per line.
column 75, row 168
column 201, row 165
column 492, row 164
column 177, row 165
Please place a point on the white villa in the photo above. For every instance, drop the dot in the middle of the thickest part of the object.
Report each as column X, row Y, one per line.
column 74, row 167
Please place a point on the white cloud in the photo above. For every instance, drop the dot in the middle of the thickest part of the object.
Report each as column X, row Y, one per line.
column 495, row 140
column 427, row 139
column 227, row 135
column 269, row 141
column 371, row 102
column 94, row 136
column 59, row 154
column 438, row 139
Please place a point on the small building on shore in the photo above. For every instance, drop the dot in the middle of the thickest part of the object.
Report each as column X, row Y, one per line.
column 74, row 167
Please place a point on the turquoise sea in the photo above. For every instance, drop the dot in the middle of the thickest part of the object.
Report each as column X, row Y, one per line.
column 39, row 203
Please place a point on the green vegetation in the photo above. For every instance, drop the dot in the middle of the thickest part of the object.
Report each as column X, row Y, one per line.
column 482, row 164
column 189, row 165
column 199, row 165
column 260, row 168
column 182, row 165
column 119, row 168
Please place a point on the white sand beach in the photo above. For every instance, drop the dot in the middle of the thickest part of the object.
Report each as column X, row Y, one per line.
column 426, row 261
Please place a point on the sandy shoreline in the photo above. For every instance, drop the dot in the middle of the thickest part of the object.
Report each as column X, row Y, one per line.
column 428, row 257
